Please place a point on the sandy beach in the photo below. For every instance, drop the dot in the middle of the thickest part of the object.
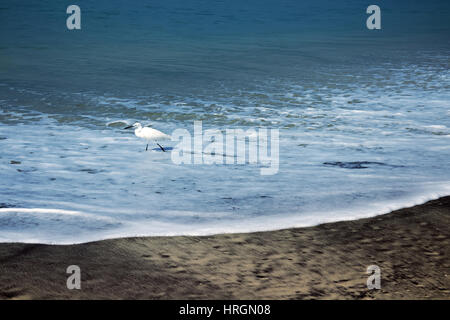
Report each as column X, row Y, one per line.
column 329, row 261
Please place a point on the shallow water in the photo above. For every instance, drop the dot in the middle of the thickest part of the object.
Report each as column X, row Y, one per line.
column 363, row 117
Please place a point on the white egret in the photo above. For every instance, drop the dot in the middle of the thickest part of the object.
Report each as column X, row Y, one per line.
column 149, row 134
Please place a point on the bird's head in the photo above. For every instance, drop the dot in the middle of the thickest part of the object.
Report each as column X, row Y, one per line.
column 136, row 125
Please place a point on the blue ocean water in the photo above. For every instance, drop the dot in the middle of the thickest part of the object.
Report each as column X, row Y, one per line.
column 363, row 115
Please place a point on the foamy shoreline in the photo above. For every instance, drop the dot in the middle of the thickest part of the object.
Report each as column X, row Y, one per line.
column 260, row 224
column 411, row 246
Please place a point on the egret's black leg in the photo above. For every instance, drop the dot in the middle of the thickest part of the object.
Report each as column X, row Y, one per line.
column 146, row 148
column 161, row 147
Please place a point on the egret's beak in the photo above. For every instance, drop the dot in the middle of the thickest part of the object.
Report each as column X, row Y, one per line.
column 129, row 127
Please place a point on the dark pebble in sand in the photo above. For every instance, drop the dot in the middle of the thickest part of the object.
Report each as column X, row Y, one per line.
column 15, row 162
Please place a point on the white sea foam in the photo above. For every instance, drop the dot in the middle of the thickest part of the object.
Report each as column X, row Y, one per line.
column 345, row 153
column 166, row 228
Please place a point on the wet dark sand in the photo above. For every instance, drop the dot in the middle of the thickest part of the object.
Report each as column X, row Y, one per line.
column 329, row 261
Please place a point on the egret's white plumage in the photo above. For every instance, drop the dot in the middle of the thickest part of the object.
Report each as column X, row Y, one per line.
column 149, row 134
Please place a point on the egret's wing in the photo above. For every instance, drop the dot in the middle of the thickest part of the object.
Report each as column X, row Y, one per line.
column 153, row 134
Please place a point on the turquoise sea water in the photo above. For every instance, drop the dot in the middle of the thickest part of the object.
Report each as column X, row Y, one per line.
column 363, row 115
